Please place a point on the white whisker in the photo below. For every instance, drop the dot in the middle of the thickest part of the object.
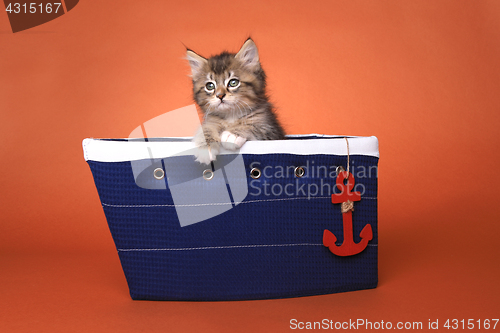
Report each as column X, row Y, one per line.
column 239, row 109
column 247, row 113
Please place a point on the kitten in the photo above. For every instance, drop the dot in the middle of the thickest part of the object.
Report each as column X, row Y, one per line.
column 230, row 89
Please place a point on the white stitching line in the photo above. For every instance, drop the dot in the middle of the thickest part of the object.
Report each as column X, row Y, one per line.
column 227, row 247
column 220, row 203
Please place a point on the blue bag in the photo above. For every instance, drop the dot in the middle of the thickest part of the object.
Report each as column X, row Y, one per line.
column 250, row 226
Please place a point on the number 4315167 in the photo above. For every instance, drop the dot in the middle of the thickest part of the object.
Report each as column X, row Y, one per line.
column 33, row 8
column 471, row 324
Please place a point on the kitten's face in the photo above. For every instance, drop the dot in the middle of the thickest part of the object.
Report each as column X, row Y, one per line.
column 228, row 85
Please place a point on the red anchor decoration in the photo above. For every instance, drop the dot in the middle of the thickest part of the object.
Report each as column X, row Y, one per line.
column 347, row 197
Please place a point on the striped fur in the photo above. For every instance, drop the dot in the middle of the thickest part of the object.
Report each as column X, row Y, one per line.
column 243, row 109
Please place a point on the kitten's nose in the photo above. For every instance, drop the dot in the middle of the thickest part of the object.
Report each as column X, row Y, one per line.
column 220, row 95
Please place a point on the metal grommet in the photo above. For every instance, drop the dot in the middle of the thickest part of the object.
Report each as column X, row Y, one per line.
column 158, row 173
column 208, row 174
column 300, row 172
column 339, row 169
column 255, row 173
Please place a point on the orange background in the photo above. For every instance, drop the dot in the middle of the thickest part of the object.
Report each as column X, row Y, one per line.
column 423, row 76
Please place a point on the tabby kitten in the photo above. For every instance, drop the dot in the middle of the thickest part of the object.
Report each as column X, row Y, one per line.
column 230, row 89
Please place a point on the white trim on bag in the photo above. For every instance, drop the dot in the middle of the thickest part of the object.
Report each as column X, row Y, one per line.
column 101, row 150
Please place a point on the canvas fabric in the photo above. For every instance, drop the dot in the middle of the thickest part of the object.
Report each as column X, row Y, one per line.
column 268, row 245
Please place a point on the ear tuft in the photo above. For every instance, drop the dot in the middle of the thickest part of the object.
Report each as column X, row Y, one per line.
column 249, row 55
column 196, row 62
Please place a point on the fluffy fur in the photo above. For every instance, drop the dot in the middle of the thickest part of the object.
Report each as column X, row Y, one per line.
column 230, row 89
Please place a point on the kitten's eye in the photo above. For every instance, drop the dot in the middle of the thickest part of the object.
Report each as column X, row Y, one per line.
column 233, row 83
column 210, row 86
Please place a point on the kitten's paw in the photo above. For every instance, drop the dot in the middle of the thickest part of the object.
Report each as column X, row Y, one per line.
column 206, row 154
column 231, row 141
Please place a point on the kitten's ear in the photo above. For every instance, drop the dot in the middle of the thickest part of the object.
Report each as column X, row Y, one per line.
column 248, row 55
column 196, row 62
